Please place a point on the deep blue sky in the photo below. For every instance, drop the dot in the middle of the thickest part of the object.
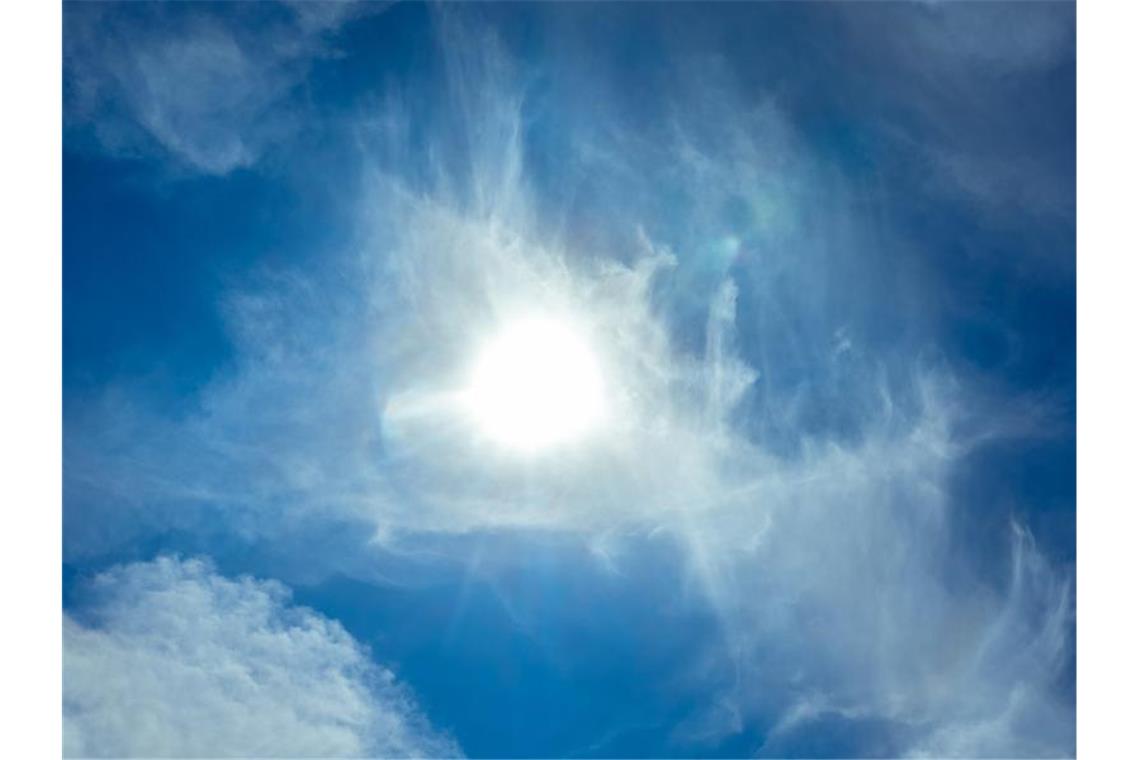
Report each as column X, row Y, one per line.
column 276, row 222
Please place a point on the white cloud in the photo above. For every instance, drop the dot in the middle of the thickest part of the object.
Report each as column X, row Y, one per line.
column 167, row 658
column 208, row 89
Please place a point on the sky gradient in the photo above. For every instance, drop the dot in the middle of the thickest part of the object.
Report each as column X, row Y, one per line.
column 824, row 254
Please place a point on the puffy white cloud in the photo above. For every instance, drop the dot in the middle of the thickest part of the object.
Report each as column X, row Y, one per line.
column 167, row 658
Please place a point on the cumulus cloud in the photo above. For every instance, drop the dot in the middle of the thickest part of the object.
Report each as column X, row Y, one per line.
column 797, row 445
column 167, row 658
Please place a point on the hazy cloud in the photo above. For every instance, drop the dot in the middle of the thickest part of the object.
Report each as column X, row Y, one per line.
column 207, row 90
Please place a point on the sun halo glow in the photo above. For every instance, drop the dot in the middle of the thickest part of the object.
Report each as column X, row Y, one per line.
column 536, row 384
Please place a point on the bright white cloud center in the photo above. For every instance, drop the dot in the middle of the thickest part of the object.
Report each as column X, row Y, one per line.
column 536, row 384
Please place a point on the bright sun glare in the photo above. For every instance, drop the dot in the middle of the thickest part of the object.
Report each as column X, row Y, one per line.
column 536, row 384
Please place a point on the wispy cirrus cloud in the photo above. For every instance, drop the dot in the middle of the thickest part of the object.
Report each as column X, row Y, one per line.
column 958, row 64
column 211, row 94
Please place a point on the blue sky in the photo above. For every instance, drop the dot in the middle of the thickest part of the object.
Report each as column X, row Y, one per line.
column 824, row 254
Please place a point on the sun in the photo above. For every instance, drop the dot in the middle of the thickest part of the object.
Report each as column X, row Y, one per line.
column 536, row 384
